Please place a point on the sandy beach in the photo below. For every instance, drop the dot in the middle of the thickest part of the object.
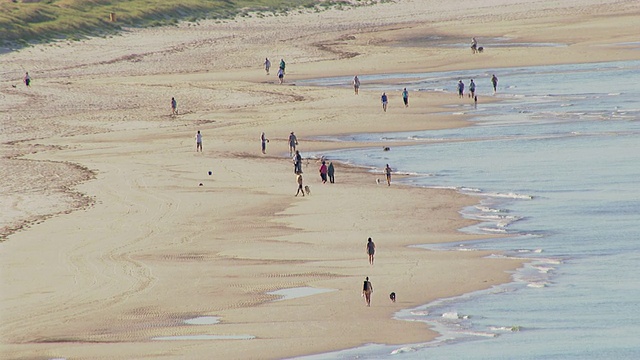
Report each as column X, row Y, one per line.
column 115, row 231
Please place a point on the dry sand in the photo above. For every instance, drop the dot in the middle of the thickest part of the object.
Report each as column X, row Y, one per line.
column 109, row 241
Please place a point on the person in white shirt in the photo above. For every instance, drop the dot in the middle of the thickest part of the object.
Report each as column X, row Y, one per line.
column 198, row 141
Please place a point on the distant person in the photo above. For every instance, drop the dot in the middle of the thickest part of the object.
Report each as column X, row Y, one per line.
column 174, row 106
column 472, row 89
column 371, row 250
column 494, row 82
column 474, row 45
column 280, row 76
column 267, row 65
column 263, row 142
column 367, row 290
column 293, row 142
column 198, row 141
column 405, row 97
column 297, row 163
column 384, row 100
column 323, row 172
column 475, row 102
column 356, row 84
column 460, row 89
column 27, row 79
column 387, row 172
column 330, row 173
column 300, row 189
column 282, row 65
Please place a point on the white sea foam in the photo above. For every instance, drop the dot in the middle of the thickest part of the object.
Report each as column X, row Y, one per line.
column 454, row 316
column 493, row 230
column 420, row 313
column 404, row 349
column 538, row 285
column 510, row 196
column 514, row 328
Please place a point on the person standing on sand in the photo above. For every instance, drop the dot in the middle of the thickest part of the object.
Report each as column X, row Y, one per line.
column 267, row 65
column 384, row 100
column 371, row 250
column 330, row 172
column 356, row 84
column 282, row 65
column 300, row 189
column 323, row 172
column 405, row 97
column 174, row 106
column 297, row 163
column 494, row 82
column 198, row 141
column 263, row 142
column 460, row 89
column 280, row 76
column 472, row 89
column 27, row 79
column 474, row 45
column 293, row 142
column 387, row 172
column 367, row 290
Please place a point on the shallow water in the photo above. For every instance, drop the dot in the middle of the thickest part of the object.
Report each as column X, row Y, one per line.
column 555, row 164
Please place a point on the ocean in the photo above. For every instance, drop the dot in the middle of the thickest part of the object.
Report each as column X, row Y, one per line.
column 555, row 164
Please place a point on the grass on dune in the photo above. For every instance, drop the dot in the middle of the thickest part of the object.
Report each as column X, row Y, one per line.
column 27, row 21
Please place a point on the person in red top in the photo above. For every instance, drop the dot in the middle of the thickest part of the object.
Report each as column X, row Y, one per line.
column 323, row 172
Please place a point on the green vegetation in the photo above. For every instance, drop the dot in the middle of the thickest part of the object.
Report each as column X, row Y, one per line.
column 29, row 21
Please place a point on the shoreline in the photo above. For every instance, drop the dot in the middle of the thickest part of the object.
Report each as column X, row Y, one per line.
column 155, row 246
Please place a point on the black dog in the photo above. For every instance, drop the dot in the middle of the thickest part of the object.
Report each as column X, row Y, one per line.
column 392, row 296
column 480, row 49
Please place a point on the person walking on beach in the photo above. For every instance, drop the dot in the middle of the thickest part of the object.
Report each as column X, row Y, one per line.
column 280, row 76
column 474, row 45
column 174, row 106
column 367, row 290
column 494, row 82
column 330, row 172
column 27, row 79
column 297, row 163
column 300, row 189
column 323, row 172
column 198, row 141
column 384, row 100
column 356, row 84
column 460, row 89
column 267, row 65
column 387, row 172
column 371, row 250
column 293, row 142
column 263, row 142
column 405, row 97
column 282, row 65
column 472, row 89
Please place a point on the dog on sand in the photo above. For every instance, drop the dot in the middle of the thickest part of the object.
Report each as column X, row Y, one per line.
column 392, row 297
column 480, row 49
column 307, row 190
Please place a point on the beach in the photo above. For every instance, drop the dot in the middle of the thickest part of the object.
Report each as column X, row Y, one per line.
column 115, row 234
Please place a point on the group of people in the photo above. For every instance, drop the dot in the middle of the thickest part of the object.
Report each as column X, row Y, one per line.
column 472, row 88
column 384, row 98
column 267, row 66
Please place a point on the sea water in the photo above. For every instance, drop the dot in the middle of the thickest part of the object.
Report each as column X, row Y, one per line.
column 555, row 164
